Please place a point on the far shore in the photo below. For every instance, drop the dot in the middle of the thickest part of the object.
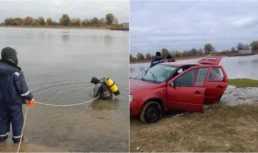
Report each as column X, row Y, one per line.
column 196, row 57
column 177, row 59
column 66, row 27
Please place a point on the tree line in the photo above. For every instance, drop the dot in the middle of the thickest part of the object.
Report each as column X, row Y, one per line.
column 206, row 50
column 64, row 20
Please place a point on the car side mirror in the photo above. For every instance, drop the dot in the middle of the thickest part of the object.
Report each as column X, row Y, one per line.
column 172, row 84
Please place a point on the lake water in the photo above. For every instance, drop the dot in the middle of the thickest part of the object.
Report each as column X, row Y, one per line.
column 235, row 67
column 58, row 66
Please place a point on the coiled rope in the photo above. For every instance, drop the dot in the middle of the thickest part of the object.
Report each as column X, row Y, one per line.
column 53, row 105
column 45, row 104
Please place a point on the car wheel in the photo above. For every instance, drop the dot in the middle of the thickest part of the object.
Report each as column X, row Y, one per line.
column 151, row 112
column 219, row 99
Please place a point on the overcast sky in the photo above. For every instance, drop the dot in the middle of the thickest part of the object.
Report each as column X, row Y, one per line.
column 184, row 25
column 55, row 8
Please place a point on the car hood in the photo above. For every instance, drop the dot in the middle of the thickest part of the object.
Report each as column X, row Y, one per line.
column 138, row 85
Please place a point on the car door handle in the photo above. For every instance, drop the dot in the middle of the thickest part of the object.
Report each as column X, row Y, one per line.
column 220, row 86
column 197, row 93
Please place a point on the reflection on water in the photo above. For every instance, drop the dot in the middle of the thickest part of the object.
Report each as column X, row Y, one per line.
column 42, row 35
column 49, row 36
column 241, row 67
column 65, row 37
column 30, row 35
column 142, row 68
column 108, row 39
column 132, row 69
column 105, row 104
column 94, row 38
column 255, row 61
column 236, row 67
column 58, row 71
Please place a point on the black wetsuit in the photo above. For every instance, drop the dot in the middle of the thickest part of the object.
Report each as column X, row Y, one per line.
column 101, row 89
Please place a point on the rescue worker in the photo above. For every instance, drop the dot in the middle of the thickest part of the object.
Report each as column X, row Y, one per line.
column 14, row 92
column 170, row 59
column 157, row 59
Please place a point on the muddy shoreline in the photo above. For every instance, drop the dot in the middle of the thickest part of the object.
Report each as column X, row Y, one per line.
column 236, row 96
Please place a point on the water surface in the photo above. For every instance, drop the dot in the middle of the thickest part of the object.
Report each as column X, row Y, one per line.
column 58, row 65
column 235, row 67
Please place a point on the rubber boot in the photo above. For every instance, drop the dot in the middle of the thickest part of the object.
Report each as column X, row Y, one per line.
column 3, row 140
column 17, row 141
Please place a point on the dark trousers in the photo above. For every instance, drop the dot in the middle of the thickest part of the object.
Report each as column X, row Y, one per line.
column 11, row 114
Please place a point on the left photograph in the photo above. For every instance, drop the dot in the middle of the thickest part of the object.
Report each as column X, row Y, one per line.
column 64, row 79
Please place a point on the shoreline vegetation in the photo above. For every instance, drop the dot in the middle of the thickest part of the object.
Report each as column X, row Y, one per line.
column 109, row 22
column 69, row 27
column 220, row 128
column 207, row 50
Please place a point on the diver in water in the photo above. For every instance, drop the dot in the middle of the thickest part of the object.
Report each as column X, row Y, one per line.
column 103, row 90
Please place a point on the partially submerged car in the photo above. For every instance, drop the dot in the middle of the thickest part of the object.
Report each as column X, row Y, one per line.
column 174, row 86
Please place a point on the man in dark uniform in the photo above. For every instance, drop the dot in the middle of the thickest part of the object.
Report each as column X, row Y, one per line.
column 170, row 59
column 13, row 93
column 157, row 59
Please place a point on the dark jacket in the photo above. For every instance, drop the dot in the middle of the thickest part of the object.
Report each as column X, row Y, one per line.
column 156, row 61
column 13, row 87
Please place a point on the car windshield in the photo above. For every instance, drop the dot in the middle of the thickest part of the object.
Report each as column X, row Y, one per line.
column 157, row 74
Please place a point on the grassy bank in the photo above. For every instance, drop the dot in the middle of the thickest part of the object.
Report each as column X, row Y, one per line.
column 241, row 83
column 218, row 129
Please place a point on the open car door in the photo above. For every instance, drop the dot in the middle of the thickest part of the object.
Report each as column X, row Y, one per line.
column 216, row 85
column 186, row 90
column 210, row 60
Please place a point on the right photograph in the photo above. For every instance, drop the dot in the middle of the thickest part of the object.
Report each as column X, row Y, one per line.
column 193, row 76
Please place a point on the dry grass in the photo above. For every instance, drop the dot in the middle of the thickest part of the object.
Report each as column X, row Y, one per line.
column 218, row 129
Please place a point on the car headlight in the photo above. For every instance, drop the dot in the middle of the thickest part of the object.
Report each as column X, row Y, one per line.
column 130, row 98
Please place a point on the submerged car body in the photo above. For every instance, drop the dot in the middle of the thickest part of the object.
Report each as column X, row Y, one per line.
column 173, row 86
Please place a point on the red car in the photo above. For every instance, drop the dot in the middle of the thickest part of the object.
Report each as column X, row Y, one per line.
column 173, row 86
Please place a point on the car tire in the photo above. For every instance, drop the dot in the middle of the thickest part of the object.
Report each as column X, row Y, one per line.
column 151, row 112
column 218, row 101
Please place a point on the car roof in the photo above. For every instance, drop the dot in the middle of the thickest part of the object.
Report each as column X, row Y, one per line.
column 178, row 64
column 208, row 60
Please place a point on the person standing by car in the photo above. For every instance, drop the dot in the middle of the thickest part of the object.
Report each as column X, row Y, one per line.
column 14, row 92
column 170, row 59
column 157, row 59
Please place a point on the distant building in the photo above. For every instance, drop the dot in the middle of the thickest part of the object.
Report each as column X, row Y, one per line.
column 245, row 51
column 125, row 25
